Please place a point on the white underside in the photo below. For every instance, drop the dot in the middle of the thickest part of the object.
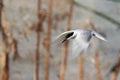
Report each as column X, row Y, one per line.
column 77, row 46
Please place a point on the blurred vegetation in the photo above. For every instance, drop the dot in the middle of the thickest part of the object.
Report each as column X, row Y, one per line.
column 46, row 16
column 0, row 65
column 100, row 14
column 114, row 0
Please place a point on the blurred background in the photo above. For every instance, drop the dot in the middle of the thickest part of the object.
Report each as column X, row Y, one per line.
column 29, row 27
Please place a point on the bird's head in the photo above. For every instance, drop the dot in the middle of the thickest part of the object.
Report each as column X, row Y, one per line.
column 94, row 33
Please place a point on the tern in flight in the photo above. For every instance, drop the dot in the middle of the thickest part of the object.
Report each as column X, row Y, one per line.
column 80, row 39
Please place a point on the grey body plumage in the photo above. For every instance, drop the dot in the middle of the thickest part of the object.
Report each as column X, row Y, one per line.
column 87, row 35
column 80, row 39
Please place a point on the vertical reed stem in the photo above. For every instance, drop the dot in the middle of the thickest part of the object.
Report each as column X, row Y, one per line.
column 97, row 65
column 5, row 54
column 63, row 62
column 115, row 70
column 38, row 27
column 65, row 48
column 5, row 72
column 80, row 66
column 114, row 76
column 36, row 70
column 15, row 49
column 69, row 23
column 48, row 34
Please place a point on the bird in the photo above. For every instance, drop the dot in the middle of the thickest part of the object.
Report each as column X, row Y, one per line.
column 80, row 39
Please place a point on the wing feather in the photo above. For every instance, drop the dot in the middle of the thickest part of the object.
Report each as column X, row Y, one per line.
column 64, row 36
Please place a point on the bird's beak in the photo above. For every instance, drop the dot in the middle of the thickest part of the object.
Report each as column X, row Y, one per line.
column 99, row 36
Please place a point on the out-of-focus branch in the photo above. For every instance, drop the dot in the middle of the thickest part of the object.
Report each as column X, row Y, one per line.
column 97, row 65
column 5, row 54
column 80, row 66
column 104, row 16
column 65, row 48
column 114, row 1
column 15, row 50
column 115, row 70
column 48, row 38
column 38, row 28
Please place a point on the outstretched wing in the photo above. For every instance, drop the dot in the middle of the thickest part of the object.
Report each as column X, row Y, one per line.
column 98, row 35
column 64, row 37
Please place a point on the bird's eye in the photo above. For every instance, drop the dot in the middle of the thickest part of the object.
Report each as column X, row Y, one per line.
column 93, row 34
